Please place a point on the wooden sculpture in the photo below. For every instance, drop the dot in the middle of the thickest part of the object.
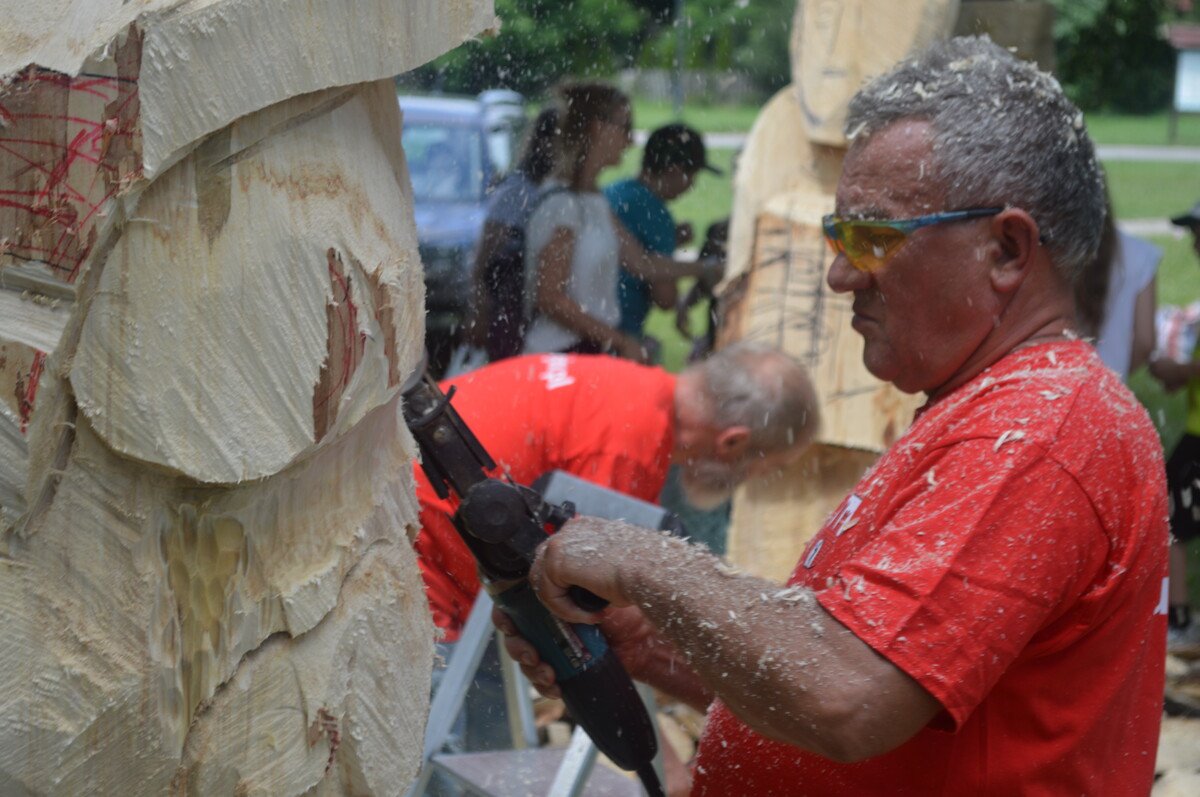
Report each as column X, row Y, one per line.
column 209, row 295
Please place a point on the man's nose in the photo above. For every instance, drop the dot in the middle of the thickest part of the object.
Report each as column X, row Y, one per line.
column 844, row 278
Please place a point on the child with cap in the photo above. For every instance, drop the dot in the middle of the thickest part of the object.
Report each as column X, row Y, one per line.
column 671, row 159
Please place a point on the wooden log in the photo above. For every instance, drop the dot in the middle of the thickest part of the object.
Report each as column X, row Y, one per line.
column 838, row 45
column 1028, row 26
column 776, row 160
column 207, row 585
column 774, row 518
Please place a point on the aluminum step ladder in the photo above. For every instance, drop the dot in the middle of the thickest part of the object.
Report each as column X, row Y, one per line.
column 525, row 770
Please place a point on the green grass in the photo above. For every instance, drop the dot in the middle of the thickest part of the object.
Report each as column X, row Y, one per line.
column 1152, row 190
column 1148, row 130
column 648, row 114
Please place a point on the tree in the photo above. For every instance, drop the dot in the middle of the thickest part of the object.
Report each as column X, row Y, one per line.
column 1111, row 55
column 750, row 38
column 541, row 41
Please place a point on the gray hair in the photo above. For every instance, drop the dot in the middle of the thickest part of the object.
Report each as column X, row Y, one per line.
column 764, row 389
column 1004, row 135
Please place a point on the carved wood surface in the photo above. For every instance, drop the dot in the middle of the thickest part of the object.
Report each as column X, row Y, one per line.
column 211, row 292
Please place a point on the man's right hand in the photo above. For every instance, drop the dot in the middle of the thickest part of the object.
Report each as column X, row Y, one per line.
column 540, row 674
column 629, row 634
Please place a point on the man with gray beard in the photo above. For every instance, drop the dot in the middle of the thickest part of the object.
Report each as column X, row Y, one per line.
column 746, row 411
column 986, row 613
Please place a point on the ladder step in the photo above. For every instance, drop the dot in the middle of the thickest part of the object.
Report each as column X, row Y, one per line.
column 528, row 773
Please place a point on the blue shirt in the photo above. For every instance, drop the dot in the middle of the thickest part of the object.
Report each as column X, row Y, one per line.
column 647, row 218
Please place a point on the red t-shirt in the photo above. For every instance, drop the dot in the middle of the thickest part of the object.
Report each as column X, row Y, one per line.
column 606, row 420
column 1008, row 553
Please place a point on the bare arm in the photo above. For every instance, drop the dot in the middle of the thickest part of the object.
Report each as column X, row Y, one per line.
column 651, row 266
column 781, row 663
column 1143, row 325
column 554, row 271
column 1173, row 374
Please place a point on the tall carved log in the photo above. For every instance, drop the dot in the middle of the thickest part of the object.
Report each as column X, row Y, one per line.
column 209, row 295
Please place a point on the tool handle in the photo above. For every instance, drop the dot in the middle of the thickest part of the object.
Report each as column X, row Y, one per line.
column 594, row 684
column 587, row 600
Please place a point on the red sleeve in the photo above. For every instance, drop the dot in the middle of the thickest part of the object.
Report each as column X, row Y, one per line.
column 969, row 566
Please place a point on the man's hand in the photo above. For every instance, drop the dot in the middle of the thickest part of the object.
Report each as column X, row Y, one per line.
column 572, row 557
column 539, row 673
column 590, row 553
column 629, row 634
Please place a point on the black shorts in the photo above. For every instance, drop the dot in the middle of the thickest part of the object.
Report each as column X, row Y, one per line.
column 1183, row 488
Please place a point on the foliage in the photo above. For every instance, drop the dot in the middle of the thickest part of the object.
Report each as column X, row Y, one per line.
column 1111, row 56
column 738, row 36
column 541, row 41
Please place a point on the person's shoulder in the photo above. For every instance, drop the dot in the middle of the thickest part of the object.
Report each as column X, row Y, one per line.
column 621, row 188
column 1052, row 395
column 1139, row 249
column 1139, row 259
column 557, row 202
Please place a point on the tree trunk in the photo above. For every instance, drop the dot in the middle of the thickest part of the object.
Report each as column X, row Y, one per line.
column 209, row 294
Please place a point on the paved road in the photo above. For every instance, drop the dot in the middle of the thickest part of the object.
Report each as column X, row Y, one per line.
column 1131, row 153
column 1151, row 227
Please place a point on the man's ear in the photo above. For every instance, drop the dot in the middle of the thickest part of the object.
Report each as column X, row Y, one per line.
column 1016, row 237
column 732, row 443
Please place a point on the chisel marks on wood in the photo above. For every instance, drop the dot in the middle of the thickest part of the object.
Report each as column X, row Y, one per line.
column 346, row 345
column 213, row 183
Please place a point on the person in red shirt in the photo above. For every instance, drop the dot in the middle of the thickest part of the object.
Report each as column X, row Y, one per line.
column 986, row 613
column 744, row 411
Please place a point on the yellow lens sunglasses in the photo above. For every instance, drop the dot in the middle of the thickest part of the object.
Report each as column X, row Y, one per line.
column 869, row 243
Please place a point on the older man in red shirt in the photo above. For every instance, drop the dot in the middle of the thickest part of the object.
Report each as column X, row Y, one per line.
column 985, row 613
